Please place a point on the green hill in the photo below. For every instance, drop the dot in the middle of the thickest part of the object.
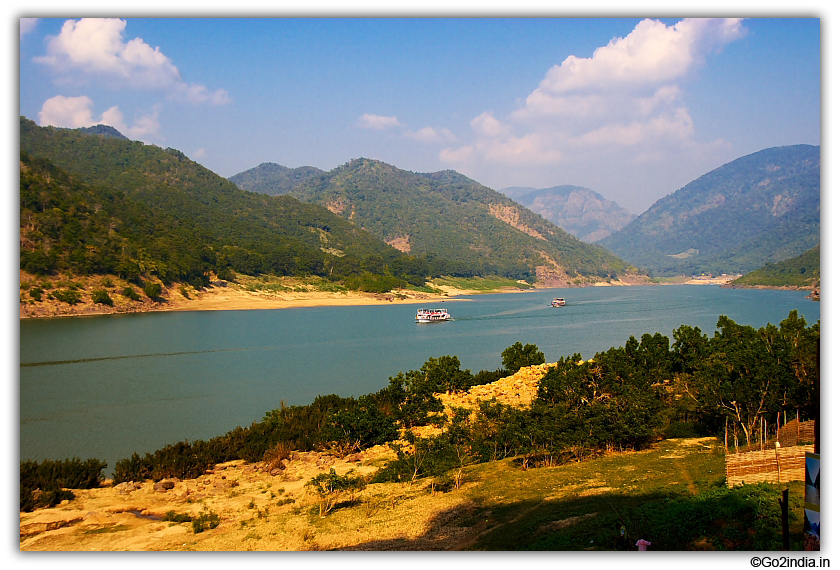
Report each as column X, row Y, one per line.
column 800, row 271
column 95, row 203
column 461, row 227
column 764, row 207
column 274, row 179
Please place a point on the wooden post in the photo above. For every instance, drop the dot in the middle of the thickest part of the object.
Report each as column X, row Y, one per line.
column 783, row 502
column 726, row 438
column 816, row 405
column 778, row 463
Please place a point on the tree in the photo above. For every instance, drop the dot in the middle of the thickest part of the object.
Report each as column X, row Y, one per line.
column 746, row 374
column 361, row 426
column 330, row 487
column 516, row 356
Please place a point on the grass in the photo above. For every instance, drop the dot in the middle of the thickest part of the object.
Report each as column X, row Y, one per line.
column 483, row 284
column 274, row 284
column 674, row 495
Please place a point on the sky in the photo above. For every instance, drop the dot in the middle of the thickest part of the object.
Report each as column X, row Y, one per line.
column 633, row 108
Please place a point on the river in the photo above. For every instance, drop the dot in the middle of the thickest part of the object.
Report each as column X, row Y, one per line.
column 107, row 386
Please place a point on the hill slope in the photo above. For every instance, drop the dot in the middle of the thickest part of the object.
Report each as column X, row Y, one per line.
column 274, row 179
column 580, row 211
column 458, row 225
column 100, row 204
column 800, row 271
column 760, row 208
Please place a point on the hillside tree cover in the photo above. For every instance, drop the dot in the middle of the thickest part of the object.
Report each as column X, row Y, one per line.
column 800, row 271
column 98, row 204
column 760, row 208
column 455, row 224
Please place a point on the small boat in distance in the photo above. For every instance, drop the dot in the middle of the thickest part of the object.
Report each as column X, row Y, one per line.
column 558, row 302
column 432, row 316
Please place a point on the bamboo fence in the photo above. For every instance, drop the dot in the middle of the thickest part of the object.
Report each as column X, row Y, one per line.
column 780, row 465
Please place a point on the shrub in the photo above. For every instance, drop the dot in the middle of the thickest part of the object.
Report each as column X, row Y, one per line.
column 516, row 356
column 330, row 487
column 70, row 296
column 36, row 293
column 226, row 274
column 207, row 520
column 130, row 293
column 172, row 516
column 681, row 430
column 45, row 484
column 101, row 297
column 152, row 290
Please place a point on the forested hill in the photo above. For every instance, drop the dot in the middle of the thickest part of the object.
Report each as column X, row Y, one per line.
column 274, row 179
column 95, row 203
column 800, row 271
column 761, row 208
column 580, row 211
column 462, row 227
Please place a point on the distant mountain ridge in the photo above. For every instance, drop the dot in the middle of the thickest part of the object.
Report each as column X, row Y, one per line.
column 580, row 211
column 760, row 208
column 274, row 179
column 461, row 226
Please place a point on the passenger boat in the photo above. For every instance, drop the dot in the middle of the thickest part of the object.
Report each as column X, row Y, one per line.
column 432, row 315
column 558, row 302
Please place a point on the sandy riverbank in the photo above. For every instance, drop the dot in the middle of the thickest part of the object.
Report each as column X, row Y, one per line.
column 250, row 294
column 219, row 296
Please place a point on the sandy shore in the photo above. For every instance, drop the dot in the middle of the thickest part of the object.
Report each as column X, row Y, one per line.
column 225, row 299
column 234, row 300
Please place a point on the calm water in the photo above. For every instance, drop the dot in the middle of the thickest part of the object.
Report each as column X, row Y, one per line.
column 108, row 386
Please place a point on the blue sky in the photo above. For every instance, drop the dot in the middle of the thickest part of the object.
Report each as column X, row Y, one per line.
column 633, row 108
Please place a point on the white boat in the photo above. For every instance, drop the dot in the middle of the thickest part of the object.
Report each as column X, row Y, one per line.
column 558, row 302
column 432, row 316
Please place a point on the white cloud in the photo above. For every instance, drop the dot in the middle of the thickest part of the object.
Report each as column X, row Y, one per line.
column 627, row 98
column 651, row 55
column 69, row 112
column 377, row 122
column 487, row 125
column 197, row 94
column 431, row 135
column 94, row 49
column 77, row 112
column 27, row 25
column 462, row 155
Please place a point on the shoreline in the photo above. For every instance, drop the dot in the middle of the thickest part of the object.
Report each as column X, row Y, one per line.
column 228, row 299
column 223, row 296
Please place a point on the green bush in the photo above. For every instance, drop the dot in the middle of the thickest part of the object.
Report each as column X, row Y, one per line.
column 70, row 296
column 207, row 520
column 172, row 516
column 101, row 297
column 45, row 484
column 516, row 356
column 152, row 290
column 681, row 429
column 130, row 293
column 36, row 293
